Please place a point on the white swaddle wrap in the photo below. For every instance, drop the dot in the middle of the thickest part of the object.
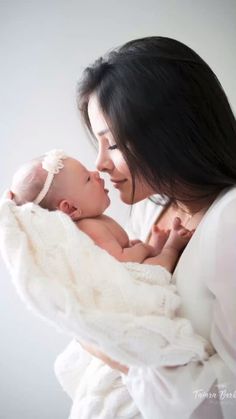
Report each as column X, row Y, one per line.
column 128, row 310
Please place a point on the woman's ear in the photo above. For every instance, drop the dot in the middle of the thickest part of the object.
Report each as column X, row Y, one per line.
column 68, row 208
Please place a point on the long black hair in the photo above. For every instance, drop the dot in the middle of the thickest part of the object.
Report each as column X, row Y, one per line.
column 168, row 114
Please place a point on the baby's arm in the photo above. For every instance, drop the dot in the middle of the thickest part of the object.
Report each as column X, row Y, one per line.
column 104, row 238
column 177, row 239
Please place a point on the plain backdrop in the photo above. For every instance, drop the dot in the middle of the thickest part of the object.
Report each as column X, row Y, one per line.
column 44, row 47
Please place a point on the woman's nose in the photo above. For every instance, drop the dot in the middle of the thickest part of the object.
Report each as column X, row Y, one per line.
column 103, row 162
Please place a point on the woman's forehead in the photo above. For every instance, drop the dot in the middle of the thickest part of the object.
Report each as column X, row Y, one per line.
column 96, row 117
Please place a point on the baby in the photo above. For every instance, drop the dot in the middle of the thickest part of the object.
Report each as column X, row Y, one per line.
column 59, row 182
column 146, row 324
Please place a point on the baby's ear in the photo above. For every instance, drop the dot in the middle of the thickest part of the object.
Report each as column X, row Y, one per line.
column 65, row 206
column 76, row 214
column 68, row 208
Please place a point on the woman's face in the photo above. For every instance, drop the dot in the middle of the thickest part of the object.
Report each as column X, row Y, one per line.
column 110, row 159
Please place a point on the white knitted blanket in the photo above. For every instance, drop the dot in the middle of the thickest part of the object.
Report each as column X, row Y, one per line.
column 128, row 310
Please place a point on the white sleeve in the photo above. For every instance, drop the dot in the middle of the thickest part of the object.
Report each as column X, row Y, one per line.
column 170, row 393
column 188, row 391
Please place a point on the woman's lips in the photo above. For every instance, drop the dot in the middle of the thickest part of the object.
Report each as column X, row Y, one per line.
column 117, row 183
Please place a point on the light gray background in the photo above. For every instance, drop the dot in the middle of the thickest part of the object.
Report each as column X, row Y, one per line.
column 44, row 46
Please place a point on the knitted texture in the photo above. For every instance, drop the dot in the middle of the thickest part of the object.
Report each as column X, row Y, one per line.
column 128, row 310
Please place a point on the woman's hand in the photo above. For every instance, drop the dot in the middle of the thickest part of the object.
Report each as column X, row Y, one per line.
column 94, row 351
column 7, row 195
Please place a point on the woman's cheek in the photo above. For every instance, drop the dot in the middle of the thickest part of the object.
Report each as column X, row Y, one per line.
column 121, row 164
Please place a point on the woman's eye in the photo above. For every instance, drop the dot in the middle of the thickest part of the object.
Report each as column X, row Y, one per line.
column 112, row 147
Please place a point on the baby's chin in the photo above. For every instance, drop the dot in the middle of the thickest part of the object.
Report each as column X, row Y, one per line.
column 108, row 203
column 103, row 207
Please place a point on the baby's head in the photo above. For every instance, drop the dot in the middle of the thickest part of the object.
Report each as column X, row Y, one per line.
column 56, row 181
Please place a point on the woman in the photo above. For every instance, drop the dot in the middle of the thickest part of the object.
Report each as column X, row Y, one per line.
column 164, row 126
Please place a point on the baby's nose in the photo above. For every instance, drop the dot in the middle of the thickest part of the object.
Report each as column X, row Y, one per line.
column 96, row 175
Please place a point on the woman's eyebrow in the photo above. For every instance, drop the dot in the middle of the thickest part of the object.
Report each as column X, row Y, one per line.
column 104, row 131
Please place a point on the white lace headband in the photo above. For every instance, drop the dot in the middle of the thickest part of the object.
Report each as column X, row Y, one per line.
column 52, row 163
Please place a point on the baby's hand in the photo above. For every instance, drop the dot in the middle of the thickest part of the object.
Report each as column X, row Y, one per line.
column 179, row 235
column 150, row 250
column 158, row 239
column 134, row 242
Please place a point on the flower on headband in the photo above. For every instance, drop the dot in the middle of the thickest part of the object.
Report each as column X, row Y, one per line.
column 52, row 161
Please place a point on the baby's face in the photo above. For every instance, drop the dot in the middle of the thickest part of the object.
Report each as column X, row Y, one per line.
column 83, row 188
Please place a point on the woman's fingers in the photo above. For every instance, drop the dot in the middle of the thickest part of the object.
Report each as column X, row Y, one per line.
column 7, row 195
column 94, row 351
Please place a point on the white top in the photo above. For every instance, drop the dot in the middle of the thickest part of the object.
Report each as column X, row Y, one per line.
column 206, row 281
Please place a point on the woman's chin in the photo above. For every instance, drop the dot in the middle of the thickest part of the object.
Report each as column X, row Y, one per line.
column 126, row 198
column 129, row 200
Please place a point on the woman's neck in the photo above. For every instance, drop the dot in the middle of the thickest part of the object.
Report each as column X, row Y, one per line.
column 193, row 211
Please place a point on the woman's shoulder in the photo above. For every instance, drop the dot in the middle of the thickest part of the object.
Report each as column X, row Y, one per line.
column 226, row 196
column 217, row 232
column 224, row 206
